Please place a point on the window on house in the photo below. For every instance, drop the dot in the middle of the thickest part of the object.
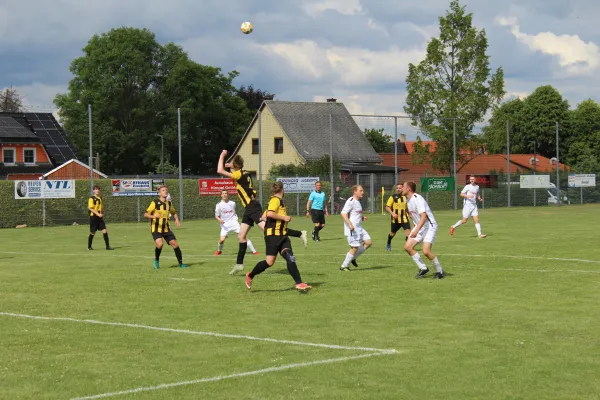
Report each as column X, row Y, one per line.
column 278, row 145
column 8, row 156
column 29, row 156
column 254, row 146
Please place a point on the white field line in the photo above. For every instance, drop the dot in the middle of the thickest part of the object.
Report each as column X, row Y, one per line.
column 222, row 377
column 207, row 257
column 183, row 279
column 190, row 332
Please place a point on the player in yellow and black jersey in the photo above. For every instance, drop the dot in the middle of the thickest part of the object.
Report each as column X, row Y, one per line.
column 158, row 213
column 96, row 209
column 277, row 240
column 252, row 208
column 396, row 206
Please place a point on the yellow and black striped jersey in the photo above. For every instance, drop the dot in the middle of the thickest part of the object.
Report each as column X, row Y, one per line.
column 276, row 227
column 243, row 185
column 398, row 205
column 163, row 208
column 95, row 203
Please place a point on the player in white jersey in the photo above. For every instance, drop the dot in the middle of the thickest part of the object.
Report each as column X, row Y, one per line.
column 352, row 213
column 227, row 217
column 423, row 231
column 470, row 194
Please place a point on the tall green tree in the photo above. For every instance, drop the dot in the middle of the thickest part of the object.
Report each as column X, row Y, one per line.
column 381, row 142
column 494, row 134
column 453, row 82
column 135, row 86
column 254, row 97
column 541, row 110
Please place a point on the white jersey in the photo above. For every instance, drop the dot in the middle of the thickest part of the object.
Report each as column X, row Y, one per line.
column 417, row 205
column 226, row 211
column 355, row 214
column 470, row 190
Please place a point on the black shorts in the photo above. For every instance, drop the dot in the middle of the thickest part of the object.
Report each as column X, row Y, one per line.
column 252, row 213
column 318, row 216
column 96, row 224
column 168, row 236
column 275, row 244
column 400, row 225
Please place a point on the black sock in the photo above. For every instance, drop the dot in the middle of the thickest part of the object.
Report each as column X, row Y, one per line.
column 106, row 240
column 317, row 229
column 242, row 252
column 390, row 237
column 294, row 233
column 259, row 268
column 90, row 238
column 157, row 253
column 178, row 255
column 293, row 270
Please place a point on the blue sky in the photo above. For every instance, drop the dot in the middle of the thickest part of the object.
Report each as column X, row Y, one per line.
column 308, row 50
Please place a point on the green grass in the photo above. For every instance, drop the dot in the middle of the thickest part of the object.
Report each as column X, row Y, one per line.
column 517, row 317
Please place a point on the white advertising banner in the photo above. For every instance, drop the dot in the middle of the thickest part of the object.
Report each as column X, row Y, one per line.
column 135, row 187
column 582, row 180
column 535, row 181
column 299, row 184
column 39, row 189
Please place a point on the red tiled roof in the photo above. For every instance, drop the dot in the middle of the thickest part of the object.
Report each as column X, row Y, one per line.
column 410, row 146
column 480, row 164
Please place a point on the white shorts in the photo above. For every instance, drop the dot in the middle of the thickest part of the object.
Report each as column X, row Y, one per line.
column 470, row 210
column 232, row 226
column 425, row 235
column 357, row 236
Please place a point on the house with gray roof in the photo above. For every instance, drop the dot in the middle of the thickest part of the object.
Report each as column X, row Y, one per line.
column 297, row 132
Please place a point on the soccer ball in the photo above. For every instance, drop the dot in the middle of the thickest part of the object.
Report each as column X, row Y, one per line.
column 246, row 28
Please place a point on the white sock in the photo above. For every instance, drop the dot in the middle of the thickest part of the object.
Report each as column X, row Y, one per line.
column 250, row 246
column 219, row 246
column 419, row 261
column 437, row 265
column 478, row 227
column 347, row 260
column 456, row 225
column 360, row 250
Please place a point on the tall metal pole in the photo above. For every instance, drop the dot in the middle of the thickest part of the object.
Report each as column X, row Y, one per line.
column 331, row 195
column 90, row 139
column 162, row 156
column 180, row 164
column 557, row 169
column 260, row 181
column 395, row 150
column 508, row 159
column 454, row 155
column 534, row 167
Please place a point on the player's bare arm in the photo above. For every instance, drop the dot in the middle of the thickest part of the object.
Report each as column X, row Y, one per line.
column 416, row 230
column 274, row 215
column 221, row 165
column 347, row 220
column 392, row 213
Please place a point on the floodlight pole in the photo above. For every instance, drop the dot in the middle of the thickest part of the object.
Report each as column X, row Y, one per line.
column 90, row 140
column 534, row 166
column 395, row 150
column 180, row 164
column 162, row 155
column 557, row 169
column 454, row 158
column 508, row 159
column 332, row 193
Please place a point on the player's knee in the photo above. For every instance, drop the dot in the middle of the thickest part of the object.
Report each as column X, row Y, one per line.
column 427, row 253
column 174, row 244
column 392, row 234
column 288, row 255
column 91, row 233
column 367, row 244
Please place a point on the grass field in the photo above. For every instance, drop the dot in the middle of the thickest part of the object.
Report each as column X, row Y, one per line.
column 517, row 317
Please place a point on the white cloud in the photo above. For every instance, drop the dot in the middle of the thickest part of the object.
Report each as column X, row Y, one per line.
column 348, row 66
column 575, row 56
column 40, row 96
column 346, row 7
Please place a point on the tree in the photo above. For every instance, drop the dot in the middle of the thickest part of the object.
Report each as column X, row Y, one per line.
column 320, row 167
column 452, row 84
column 380, row 141
column 494, row 134
column 135, row 86
column 254, row 97
column 10, row 101
column 541, row 110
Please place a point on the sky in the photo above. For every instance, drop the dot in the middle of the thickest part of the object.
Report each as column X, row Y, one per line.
column 356, row 51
